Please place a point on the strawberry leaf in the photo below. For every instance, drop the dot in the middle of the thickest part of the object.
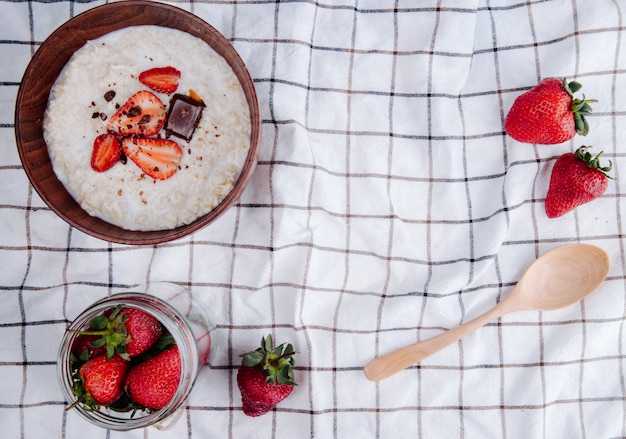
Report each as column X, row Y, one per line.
column 98, row 342
column 164, row 342
column 585, row 109
column 574, row 86
column 99, row 322
column 276, row 363
column 112, row 330
column 289, row 350
column 252, row 359
column 594, row 162
column 582, row 127
column 580, row 107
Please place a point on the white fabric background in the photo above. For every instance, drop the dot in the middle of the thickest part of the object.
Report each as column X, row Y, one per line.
column 387, row 206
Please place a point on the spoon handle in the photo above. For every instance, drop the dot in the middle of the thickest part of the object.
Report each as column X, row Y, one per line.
column 393, row 362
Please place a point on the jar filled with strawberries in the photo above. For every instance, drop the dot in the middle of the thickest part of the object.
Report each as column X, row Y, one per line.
column 131, row 359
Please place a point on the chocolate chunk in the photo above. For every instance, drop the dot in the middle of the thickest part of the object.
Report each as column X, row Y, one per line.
column 109, row 95
column 134, row 111
column 183, row 117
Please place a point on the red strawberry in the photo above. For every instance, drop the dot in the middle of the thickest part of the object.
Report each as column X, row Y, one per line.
column 125, row 331
column 144, row 330
column 548, row 113
column 153, row 382
column 158, row 158
column 142, row 115
column 265, row 377
column 85, row 347
column 103, row 380
column 106, row 152
column 577, row 178
column 162, row 79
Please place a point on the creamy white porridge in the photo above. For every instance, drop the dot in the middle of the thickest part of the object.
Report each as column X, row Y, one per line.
column 123, row 195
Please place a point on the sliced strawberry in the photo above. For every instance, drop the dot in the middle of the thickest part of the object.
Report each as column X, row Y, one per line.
column 142, row 115
column 162, row 79
column 106, row 152
column 158, row 158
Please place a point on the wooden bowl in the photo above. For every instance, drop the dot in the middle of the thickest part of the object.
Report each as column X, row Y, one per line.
column 43, row 71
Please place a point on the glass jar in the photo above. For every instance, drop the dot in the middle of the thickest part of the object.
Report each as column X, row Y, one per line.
column 182, row 314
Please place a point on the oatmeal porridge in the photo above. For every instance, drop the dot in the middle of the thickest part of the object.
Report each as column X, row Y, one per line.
column 96, row 90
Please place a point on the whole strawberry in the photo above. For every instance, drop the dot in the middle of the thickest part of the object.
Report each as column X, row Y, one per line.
column 577, row 178
column 548, row 113
column 125, row 331
column 153, row 383
column 144, row 330
column 265, row 377
column 101, row 381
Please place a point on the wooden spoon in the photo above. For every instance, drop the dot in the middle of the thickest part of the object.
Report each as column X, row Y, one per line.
column 561, row 277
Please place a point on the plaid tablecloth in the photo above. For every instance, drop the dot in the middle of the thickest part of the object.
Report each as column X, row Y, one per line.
column 387, row 206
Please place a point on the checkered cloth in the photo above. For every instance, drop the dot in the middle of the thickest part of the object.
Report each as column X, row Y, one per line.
column 388, row 206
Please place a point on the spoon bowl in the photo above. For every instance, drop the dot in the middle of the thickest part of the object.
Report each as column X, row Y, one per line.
column 561, row 277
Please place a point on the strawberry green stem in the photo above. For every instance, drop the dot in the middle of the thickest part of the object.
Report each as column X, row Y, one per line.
column 580, row 107
column 74, row 331
column 112, row 331
column 276, row 363
column 593, row 162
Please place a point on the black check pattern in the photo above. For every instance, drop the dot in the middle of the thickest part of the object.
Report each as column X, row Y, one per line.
column 388, row 205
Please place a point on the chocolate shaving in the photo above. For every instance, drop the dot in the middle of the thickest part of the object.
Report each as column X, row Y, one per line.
column 134, row 111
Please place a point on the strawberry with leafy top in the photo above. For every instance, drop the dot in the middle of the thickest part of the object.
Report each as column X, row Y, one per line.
column 143, row 114
column 144, row 330
column 549, row 113
column 124, row 331
column 101, row 381
column 158, row 158
column 265, row 377
column 577, row 178
column 106, row 152
column 161, row 79
column 153, row 383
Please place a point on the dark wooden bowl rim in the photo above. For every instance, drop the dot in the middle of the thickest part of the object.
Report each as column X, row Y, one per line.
column 44, row 68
